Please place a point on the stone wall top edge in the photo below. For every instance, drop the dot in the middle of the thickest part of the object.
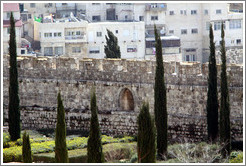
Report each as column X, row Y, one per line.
column 76, row 60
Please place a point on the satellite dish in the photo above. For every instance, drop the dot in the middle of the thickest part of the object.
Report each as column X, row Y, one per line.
column 162, row 31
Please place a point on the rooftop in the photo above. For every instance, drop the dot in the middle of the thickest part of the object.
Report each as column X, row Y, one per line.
column 10, row 7
column 6, row 23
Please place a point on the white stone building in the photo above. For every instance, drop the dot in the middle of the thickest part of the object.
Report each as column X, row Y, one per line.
column 81, row 39
column 188, row 21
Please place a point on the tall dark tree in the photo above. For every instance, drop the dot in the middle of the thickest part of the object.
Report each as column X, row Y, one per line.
column 61, row 153
column 26, row 149
column 14, row 101
column 160, row 105
column 94, row 148
column 212, row 96
column 225, row 127
column 112, row 49
column 146, row 136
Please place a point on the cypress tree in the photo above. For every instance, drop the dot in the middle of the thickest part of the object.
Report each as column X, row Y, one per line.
column 160, row 105
column 112, row 49
column 146, row 136
column 212, row 96
column 14, row 101
column 61, row 154
column 225, row 127
column 94, row 145
column 26, row 149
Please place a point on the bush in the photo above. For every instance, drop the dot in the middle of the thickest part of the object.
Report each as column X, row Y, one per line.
column 134, row 158
column 13, row 154
column 196, row 153
column 48, row 146
column 112, row 152
column 236, row 157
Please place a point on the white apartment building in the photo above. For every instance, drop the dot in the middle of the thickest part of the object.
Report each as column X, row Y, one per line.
column 191, row 22
column 32, row 10
column 188, row 21
column 81, row 39
column 7, row 9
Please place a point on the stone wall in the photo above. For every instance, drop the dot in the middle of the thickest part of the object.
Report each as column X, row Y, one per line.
column 233, row 56
column 41, row 78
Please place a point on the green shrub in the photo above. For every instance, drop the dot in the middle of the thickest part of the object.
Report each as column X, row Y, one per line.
column 112, row 152
column 236, row 157
column 26, row 149
column 13, row 154
column 38, row 146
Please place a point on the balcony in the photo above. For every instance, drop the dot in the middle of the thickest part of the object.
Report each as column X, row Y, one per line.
column 75, row 38
column 156, row 7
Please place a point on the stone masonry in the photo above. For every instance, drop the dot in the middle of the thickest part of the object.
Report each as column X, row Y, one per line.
column 121, row 87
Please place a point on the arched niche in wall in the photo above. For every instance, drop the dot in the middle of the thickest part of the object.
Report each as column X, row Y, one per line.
column 126, row 100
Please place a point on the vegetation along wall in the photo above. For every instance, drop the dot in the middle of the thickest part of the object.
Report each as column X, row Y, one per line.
column 121, row 87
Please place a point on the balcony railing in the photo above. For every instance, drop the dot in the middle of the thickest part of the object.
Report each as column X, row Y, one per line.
column 73, row 37
column 156, row 7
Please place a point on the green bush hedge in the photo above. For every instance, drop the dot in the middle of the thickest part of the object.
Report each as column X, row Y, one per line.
column 48, row 146
column 236, row 157
column 112, row 152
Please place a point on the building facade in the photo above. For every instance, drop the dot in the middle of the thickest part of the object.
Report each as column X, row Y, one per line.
column 7, row 9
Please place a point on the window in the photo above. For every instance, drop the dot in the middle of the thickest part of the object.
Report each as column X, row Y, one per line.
column 193, row 12
column 238, row 41
column 32, row 5
column 116, row 31
column 76, row 49
column 99, row 34
column 8, row 15
column 171, row 31
column 94, row 50
column 95, row 3
column 23, row 51
column 235, row 24
column 183, row 31
column 96, row 18
column 207, row 26
column 78, row 33
column 8, row 30
column 154, row 17
column 131, row 48
column 126, row 17
column 141, row 18
column 57, row 34
column 217, row 25
column 183, row 12
column 193, row 57
column 187, row 58
column 29, row 16
column 58, row 50
column 205, row 12
column 195, row 30
column 47, row 34
column 23, row 17
column 48, row 51
column 64, row 4
column 171, row 12
column 218, row 11
column 232, row 41
column 116, row 17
